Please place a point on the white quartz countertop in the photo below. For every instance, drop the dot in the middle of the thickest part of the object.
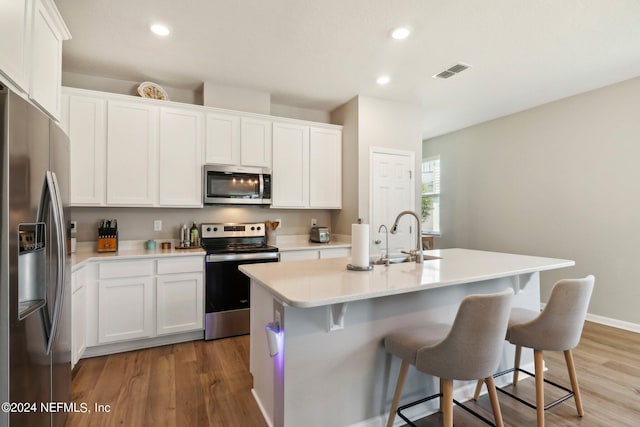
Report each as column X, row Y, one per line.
column 321, row 282
column 128, row 250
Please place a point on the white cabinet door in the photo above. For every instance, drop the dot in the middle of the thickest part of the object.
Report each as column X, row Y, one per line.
column 86, row 125
column 335, row 253
column 47, row 34
column 132, row 134
column 125, row 309
column 79, row 324
column 255, row 142
column 290, row 166
column 325, row 168
column 14, row 17
column 180, row 167
column 78, row 314
column 180, row 303
column 223, row 139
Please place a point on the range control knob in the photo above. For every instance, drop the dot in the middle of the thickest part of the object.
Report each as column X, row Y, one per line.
column 259, row 228
column 252, row 228
column 209, row 229
column 215, row 228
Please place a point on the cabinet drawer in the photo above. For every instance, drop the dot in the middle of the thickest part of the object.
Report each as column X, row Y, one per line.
column 116, row 269
column 181, row 265
column 335, row 253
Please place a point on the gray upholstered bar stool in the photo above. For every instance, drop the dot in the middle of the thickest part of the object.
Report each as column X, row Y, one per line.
column 557, row 328
column 469, row 349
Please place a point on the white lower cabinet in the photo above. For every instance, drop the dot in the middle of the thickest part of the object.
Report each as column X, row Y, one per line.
column 142, row 299
column 306, row 254
column 179, row 302
column 125, row 309
column 78, row 315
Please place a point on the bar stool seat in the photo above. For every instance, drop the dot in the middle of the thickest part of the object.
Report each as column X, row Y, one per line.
column 468, row 349
column 557, row 328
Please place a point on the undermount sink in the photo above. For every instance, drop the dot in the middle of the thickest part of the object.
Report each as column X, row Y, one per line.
column 398, row 259
column 392, row 260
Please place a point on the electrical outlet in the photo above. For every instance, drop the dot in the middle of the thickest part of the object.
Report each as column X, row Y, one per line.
column 74, row 227
column 157, row 225
column 314, row 222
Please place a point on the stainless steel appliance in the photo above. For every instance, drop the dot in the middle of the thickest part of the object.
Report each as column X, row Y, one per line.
column 236, row 185
column 319, row 234
column 35, row 329
column 227, row 289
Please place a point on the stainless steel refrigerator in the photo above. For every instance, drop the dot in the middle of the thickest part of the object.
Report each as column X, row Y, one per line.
column 35, row 335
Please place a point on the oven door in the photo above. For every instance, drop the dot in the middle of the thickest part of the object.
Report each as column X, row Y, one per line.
column 236, row 185
column 227, row 293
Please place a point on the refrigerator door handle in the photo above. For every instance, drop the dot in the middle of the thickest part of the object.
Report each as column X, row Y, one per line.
column 50, row 196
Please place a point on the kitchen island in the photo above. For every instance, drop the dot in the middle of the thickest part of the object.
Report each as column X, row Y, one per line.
column 331, row 367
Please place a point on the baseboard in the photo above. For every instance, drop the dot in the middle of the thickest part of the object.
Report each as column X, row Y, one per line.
column 615, row 323
column 608, row 321
column 261, row 407
column 105, row 349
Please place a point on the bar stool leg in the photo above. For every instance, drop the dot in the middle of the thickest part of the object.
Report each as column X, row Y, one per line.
column 396, row 396
column 568, row 357
column 476, row 394
column 516, row 364
column 446, row 402
column 539, row 371
column 495, row 405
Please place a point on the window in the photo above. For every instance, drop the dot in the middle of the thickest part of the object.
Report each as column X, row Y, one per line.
column 431, row 195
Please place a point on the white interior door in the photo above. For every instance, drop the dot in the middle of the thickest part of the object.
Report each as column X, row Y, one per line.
column 392, row 191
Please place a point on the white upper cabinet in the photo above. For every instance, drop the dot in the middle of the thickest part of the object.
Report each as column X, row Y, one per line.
column 238, row 140
column 307, row 167
column 31, row 36
column 132, row 135
column 47, row 34
column 180, row 166
column 14, row 32
column 325, row 168
column 85, row 120
column 255, row 142
column 223, row 139
column 290, row 166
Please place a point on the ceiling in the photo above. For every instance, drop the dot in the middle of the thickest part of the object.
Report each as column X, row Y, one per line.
column 319, row 54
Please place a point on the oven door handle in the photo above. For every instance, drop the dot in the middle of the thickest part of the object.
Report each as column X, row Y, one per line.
column 267, row 256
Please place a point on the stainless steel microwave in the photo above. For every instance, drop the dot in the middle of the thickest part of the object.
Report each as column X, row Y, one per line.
column 237, row 185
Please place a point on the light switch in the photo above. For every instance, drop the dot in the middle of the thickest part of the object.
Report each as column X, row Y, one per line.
column 157, row 225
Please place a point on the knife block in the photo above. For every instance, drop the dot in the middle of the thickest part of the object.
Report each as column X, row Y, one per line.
column 107, row 239
column 107, row 244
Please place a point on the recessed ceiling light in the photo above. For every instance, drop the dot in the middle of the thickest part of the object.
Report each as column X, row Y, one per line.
column 383, row 80
column 400, row 33
column 160, row 30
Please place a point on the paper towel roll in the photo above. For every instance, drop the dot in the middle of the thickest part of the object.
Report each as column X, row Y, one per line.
column 360, row 245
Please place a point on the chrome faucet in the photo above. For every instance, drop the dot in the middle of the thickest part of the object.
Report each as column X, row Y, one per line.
column 386, row 256
column 418, row 251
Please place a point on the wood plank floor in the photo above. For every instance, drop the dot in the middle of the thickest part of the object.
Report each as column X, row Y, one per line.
column 207, row 383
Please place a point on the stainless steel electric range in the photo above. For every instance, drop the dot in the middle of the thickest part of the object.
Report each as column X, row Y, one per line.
column 228, row 245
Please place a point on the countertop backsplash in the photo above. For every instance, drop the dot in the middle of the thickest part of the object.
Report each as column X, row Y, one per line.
column 137, row 223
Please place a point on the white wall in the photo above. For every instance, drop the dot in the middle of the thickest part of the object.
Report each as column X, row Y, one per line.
column 126, row 87
column 371, row 122
column 560, row 180
column 238, row 99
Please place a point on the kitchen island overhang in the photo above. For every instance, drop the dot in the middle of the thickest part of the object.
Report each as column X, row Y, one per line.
column 331, row 368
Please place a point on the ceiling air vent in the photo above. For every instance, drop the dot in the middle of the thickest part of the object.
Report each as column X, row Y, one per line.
column 451, row 71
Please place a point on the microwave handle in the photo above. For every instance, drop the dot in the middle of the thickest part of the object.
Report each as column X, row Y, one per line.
column 261, row 186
